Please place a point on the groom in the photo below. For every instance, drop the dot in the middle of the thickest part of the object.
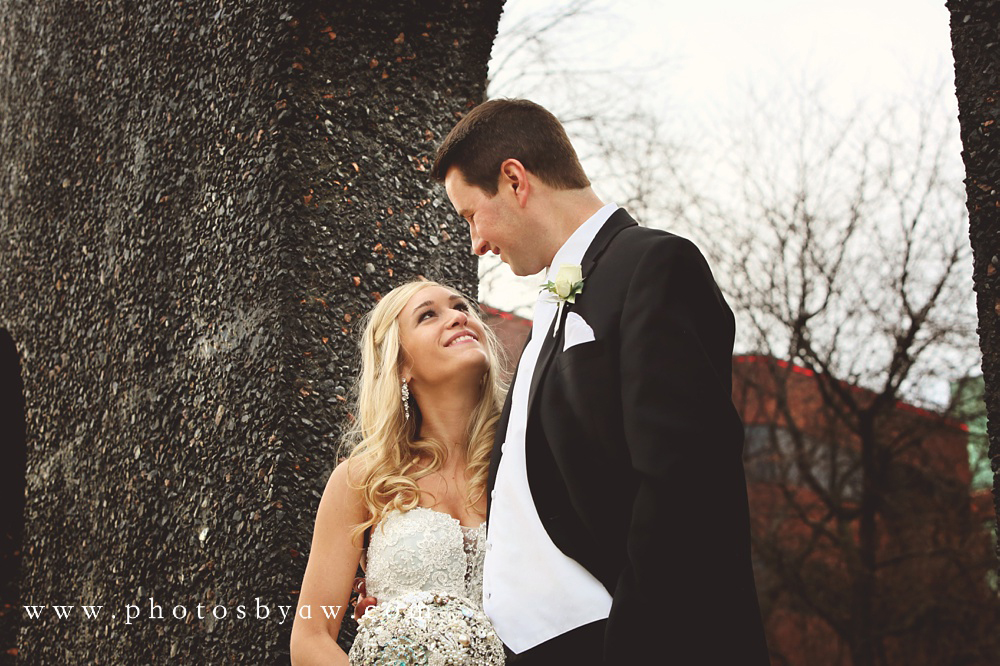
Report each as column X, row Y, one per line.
column 618, row 527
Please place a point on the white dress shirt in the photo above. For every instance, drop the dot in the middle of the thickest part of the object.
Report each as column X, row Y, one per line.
column 531, row 590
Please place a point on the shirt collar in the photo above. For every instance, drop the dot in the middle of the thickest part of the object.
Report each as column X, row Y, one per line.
column 576, row 245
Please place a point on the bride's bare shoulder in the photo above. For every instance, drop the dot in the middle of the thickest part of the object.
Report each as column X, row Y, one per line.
column 343, row 488
column 347, row 473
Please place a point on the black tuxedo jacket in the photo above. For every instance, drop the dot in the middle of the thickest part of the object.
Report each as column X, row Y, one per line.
column 634, row 453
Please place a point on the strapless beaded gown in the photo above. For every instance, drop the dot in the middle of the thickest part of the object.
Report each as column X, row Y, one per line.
column 426, row 571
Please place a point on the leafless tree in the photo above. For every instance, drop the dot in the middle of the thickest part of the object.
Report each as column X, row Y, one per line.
column 843, row 231
column 841, row 244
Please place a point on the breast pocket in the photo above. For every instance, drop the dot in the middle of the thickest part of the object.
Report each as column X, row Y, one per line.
column 582, row 350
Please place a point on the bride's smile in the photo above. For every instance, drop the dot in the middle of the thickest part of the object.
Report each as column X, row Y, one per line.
column 441, row 340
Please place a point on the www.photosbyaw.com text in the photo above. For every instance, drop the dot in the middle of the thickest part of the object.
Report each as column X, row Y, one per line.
column 133, row 613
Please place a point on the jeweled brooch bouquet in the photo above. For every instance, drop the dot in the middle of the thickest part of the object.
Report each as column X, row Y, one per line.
column 426, row 628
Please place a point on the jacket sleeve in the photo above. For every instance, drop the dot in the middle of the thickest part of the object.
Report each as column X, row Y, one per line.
column 688, row 566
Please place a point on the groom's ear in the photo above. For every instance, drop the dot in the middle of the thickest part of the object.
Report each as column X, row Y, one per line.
column 514, row 178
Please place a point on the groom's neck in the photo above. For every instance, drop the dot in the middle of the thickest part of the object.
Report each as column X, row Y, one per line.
column 564, row 211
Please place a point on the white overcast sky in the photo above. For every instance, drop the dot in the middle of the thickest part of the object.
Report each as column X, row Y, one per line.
column 694, row 58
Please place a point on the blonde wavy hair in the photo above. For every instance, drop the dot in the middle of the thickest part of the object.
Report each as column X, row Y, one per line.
column 383, row 447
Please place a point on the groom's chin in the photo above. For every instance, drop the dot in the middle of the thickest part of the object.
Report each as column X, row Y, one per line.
column 518, row 269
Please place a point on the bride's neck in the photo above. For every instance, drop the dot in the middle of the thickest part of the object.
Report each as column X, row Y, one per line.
column 445, row 418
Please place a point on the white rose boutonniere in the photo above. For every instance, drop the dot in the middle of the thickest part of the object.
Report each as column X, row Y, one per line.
column 568, row 283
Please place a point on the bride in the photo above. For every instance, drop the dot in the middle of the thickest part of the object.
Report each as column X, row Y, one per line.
column 428, row 399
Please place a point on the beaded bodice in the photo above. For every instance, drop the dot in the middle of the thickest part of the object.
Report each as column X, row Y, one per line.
column 423, row 550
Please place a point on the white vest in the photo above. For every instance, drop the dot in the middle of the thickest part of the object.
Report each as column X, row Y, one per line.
column 531, row 590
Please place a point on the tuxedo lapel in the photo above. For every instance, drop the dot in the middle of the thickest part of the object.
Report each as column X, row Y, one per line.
column 545, row 354
column 618, row 220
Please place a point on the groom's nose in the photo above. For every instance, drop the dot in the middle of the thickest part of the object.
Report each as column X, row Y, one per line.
column 479, row 246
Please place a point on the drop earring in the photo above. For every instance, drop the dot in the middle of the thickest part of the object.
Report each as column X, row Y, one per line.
column 405, row 394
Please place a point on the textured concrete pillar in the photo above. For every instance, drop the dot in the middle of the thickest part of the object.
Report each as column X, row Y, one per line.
column 975, row 37
column 197, row 200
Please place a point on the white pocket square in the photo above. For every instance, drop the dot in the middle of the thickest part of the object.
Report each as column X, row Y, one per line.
column 577, row 331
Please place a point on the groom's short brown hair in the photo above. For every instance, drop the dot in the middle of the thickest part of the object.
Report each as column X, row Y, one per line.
column 501, row 129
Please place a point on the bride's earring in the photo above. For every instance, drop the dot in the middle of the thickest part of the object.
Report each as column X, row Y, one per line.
column 405, row 393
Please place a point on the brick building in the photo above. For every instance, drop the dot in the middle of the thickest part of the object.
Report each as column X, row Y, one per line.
column 923, row 580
